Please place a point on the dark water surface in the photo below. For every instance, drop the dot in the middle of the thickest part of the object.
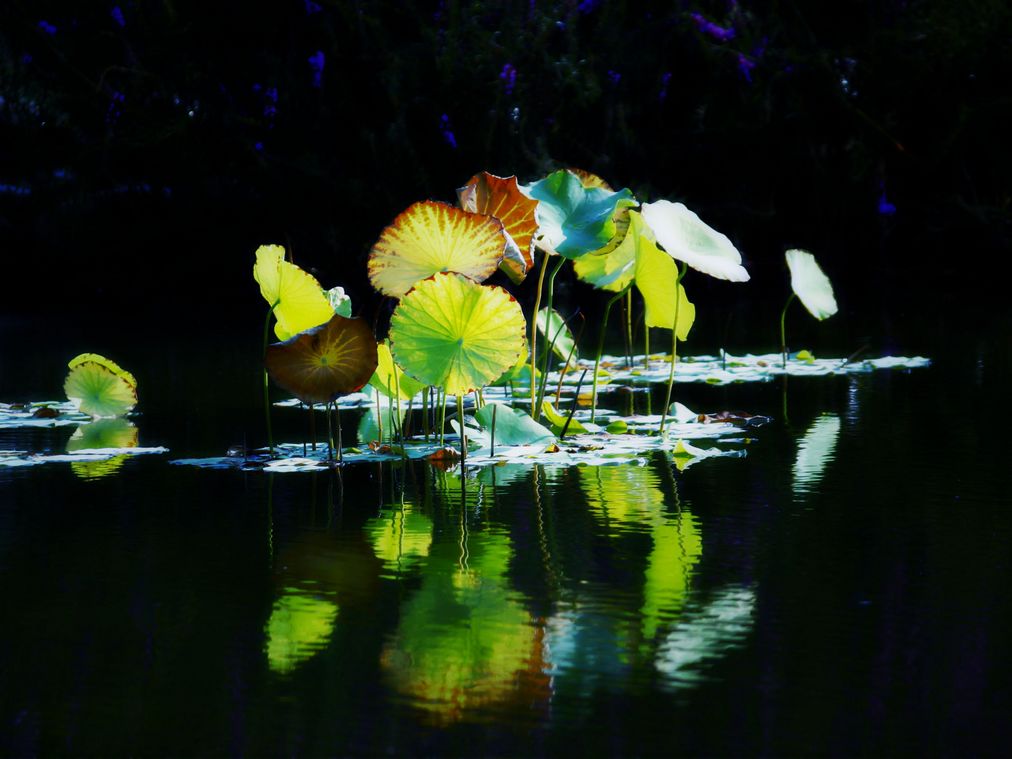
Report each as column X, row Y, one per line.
column 853, row 602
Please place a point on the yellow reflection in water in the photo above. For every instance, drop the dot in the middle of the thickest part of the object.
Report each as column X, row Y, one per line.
column 300, row 625
column 464, row 641
column 400, row 537
column 627, row 499
column 104, row 433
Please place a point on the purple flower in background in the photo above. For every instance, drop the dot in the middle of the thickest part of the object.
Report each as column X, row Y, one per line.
column 885, row 208
column 312, row 7
column 316, row 63
column 271, row 108
column 115, row 109
column 508, row 75
column 447, row 130
column 117, row 16
column 614, row 77
column 708, row 27
column 665, row 81
column 258, row 146
column 46, row 27
column 586, row 6
column 745, row 66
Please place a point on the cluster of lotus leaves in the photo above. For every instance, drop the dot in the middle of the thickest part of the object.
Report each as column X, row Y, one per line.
column 100, row 386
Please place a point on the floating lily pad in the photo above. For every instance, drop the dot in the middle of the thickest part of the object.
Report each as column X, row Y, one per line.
column 455, row 334
column 99, row 386
column 431, row 237
column 501, row 198
column 326, row 361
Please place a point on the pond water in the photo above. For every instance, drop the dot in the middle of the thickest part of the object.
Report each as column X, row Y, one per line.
column 843, row 588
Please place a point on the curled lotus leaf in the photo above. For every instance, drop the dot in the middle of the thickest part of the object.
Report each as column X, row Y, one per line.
column 431, row 237
column 589, row 179
column 456, row 334
column 811, row 284
column 390, row 379
column 324, row 362
column 298, row 300
column 687, row 238
column 501, row 198
column 99, row 386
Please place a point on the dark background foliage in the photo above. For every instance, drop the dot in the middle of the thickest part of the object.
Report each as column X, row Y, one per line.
column 147, row 148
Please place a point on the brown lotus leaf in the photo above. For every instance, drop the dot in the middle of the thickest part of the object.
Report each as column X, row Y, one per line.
column 500, row 197
column 322, row 363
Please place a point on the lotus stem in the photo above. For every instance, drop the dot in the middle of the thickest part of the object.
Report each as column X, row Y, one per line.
column 569, row 359
column 460, row 422
column 627, row 307
column 492, row 445
column 600, row 349
column 399, row 425
column 534, row 330
column 442, row 417
column 330, row 437
column 674, row 349
column 312, row 424
column 646, row 342
column 425, row 411
column 572, row 411
column 267, row 384
column 548, row 305
column 544, row 367
column 379, row 416
column 783, row 337
column 337, row 422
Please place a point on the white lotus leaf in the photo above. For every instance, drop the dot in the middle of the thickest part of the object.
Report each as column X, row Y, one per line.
column 811, row 284
column 687, row 238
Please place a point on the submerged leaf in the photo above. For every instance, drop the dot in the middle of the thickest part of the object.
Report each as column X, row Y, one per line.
column 500, row 197
column 429, row 238
column 576, row 220
column 324, row 362
column 99, row 386
column 811, row 284
column 453, row 333
column 686, row 238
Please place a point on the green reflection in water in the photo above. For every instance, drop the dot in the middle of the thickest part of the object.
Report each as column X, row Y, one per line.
column 104, row 433
column 628, row 499
column 401, row 537
column 300, row 625
column 464, row 640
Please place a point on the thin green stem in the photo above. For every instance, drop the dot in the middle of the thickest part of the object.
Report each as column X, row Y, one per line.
column 330, row 437
column 627, row 307
column 379, row 417
column 545, row 366
column 600, row 348
column 783, row 334
column 534, row 330
column 460, row 422
column 337, row 423
column 548, row 306
column 267, row 392
column 495, row 408
column 442, row 417
column 674, row 349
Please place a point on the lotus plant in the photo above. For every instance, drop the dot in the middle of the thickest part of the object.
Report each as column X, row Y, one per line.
column 811, row 286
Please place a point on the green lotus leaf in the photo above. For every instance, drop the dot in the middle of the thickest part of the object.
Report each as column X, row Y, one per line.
column 321, row 363
column 554, row 327
column 298, row 300
column 576, row 220
column 513, row 426
column 99, row 386
column 389, row 378
column 516, row 372
column 300, row 625
column 453, row 333
column 431, row 237
column 558, row 421
column 811, row 284
column 686, row 238
column 501, row 198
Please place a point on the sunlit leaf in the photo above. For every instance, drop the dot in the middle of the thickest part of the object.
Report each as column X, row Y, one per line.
column 99, row 386
column 321, row 363
column 389, row 378
column 429, row 238
column 298, row 300
column 589, row 179
column 576, row 220
column 512, row 426
column 811, row 284
column 554, row 328
column 686, row 238
column 501, row 198
column 453, row 333
column 656, row 275
column 558, row 421
column 516, row 372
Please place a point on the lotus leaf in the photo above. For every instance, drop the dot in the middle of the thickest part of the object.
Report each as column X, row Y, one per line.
column 453, row 333
column 431, row 237
column 321, row 363
column 297, row 299
column 512, row 426
column 554, row 328
column 686, row 238
column 99, row 386
column 500, row 197
column 390, row 379
column 810, row 284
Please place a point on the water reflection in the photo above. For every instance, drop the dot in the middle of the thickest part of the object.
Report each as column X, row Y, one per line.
column 465, row 642
column 401, row 537
column 102, row 434
column 815, row 451
column 300, row 624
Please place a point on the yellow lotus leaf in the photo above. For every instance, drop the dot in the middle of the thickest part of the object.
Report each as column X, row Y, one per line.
column 390, row 379
column 431, row 237
column 100, row 386
column 298, row 300
column 321, row 363
column 456, row 334
column 500, row 197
